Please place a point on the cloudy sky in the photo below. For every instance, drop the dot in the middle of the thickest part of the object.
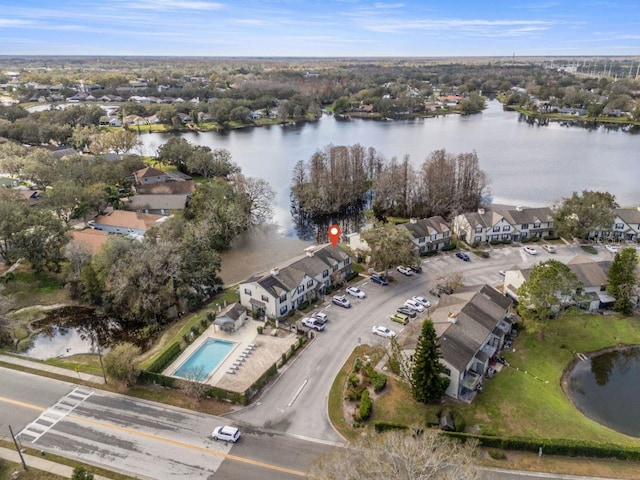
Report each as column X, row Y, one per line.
column 319, row 28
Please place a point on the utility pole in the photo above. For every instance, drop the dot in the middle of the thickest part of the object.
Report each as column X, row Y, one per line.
column 101, row 365
column 24, row 464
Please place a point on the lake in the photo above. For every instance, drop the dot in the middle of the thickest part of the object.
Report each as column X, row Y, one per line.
column 530, row 165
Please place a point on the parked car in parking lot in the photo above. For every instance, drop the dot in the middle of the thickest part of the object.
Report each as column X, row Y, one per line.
column 313, row 323
column 321, row 317
column 409, row 312
column 422, row 301
column 400, row 318
column 446, row 289
column 226, row 433
column 549, row 248
column 405, row 270
column 379, row 279
column 341, row 300
column 356, row 292
column 416, row 268
column 530, row 250
column 414, row 305
column 383, row 331
column 463, row 256
column 436, row 291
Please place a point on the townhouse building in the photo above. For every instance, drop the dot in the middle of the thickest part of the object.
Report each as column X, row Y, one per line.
column 302, row 279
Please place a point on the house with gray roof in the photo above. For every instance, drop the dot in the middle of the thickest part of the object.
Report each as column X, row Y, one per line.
column 593, row 276
column 302, row 279
column 158, row 204
column 504, row 225
column 428, row 234
column 472, row 326
column 625, row 227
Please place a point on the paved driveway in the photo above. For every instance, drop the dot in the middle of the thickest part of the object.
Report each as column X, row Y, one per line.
column 296, row 403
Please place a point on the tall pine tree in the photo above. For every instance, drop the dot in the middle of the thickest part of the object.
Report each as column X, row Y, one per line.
column 623, row 279
column 427, row 381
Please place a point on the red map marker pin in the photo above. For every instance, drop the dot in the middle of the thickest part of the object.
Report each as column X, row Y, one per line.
column 334, row 234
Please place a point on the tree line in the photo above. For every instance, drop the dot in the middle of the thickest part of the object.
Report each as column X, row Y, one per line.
column 338, row 178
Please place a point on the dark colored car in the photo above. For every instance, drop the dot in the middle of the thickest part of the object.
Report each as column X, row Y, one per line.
column 446, row 289
column 379, row 279
column 416, row 268
column 409, row 312
column 463, row 256
column 436, row 291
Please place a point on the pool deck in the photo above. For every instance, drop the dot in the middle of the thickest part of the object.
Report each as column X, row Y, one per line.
column 267, row 350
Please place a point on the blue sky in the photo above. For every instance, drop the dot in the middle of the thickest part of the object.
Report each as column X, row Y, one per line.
column 319, row 28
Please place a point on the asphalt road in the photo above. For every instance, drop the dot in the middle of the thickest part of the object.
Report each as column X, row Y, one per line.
column 145, row 439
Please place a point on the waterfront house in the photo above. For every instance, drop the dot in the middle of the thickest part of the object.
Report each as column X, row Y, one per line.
column 127, row 223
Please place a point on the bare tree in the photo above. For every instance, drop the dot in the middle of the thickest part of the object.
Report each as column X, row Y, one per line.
column 193, row 384
column 400, row 455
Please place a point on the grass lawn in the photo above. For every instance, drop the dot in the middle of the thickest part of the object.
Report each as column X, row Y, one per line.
column 7, row 468
column 31, row 288
column 515, row 402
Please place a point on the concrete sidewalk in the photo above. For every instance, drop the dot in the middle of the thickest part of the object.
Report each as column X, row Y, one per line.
column 23, row 362
column 41, row 463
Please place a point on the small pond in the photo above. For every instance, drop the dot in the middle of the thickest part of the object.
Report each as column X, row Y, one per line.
column 74, row 330
column 606, row 388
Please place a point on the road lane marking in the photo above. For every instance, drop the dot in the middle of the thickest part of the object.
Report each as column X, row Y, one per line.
column 295, row 397
column 169, row 441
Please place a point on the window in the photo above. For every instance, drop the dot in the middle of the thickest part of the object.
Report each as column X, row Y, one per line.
column 335, row 267
column 347, row 261
column 523, row 235
column 525, row 226
column 283, row 298
column 446, row 233
column 619, row 226
column 325, row 274
column 478, row 229
column 421, row 240
column 447, row 372
column 506, row 228
column 477, row 239
column 434, row 236
column 536, row 225
column 496, row 229
column 265, row 298
column 300, row 289
column 247, row 291
column 494, row 237
column 505, row 236
column 310, row 284
column 283, row 310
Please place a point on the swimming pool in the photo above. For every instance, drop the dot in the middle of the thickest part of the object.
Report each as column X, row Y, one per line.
column 205, row 359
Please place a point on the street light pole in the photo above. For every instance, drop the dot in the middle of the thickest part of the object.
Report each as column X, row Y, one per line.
column 101, row 365
column 24, row 464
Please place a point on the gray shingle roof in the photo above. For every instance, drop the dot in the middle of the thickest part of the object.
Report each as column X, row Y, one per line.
column 425, row 227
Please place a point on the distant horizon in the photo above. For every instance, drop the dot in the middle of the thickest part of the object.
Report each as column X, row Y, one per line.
column 320, row 29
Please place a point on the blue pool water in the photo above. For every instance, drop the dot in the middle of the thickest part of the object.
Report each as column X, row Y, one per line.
column 205, row 359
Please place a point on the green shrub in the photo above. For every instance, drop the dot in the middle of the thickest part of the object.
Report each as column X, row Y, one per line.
column 378, row 380
column 351, row 276
column 165, row 358
column 497, row 454
column 525, row 240
column 451, row 246
column 355, row 393
column 260, row 329
column 357, row 365
column 394, row 366
column 386, row 426
column 303, row 305
column 366, row 406
column 353, row 380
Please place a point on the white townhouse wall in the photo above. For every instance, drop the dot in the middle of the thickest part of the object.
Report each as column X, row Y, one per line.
column 428, row 234
column 626, row 226
column 503, row 225
column 304, row 278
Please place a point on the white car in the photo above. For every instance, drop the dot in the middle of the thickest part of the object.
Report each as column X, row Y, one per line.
column 356, row 292
column 549, row 248
column 422, row 301
column 383, row 331
column 321, row 317
column 406, row 270
column 226, row 433
column 612, row 248
column 414, row 305
column 530, row 250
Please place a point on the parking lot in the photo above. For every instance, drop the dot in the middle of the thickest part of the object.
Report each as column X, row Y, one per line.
column 296, row 403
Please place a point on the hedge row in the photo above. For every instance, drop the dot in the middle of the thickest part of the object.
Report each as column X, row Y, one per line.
column 165, row 358
column 386, row 426
column 565, row 447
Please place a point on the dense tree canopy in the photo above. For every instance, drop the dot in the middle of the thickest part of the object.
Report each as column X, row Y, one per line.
column 581, row 214
column 390, row 246
column 550, row 286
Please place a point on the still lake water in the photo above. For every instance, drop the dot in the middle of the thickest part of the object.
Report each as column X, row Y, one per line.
column 606, row 389
column 529, row 165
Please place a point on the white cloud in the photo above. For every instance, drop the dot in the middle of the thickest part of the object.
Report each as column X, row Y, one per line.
column 8, row 22
column 176, row 5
